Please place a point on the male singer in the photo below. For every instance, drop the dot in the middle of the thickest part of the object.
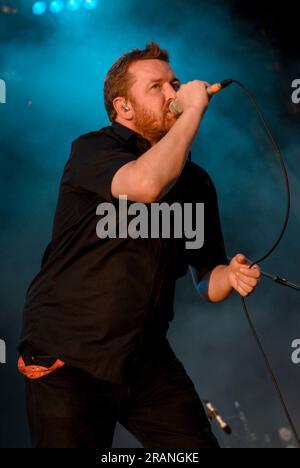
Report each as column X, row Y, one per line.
column 94, row 346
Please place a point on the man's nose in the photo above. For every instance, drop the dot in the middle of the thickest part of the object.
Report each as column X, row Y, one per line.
column 170, row 92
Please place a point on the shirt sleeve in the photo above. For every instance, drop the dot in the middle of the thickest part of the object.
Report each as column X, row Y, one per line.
column 93, row 163
column 213, row 252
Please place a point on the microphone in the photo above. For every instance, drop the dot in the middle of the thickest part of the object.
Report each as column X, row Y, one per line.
column 214, row 414
column 175, row 105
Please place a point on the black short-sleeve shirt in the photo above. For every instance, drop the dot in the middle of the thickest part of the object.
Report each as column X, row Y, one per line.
column 101, row 304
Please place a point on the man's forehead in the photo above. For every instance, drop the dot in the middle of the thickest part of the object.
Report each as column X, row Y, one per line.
column 146, row 70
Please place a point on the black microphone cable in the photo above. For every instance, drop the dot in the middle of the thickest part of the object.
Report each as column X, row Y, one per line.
column 270, row 251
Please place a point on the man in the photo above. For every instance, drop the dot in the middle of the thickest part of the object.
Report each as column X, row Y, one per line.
column 94, row 348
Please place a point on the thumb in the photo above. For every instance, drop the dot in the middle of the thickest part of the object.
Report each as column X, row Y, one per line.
column 241, row 259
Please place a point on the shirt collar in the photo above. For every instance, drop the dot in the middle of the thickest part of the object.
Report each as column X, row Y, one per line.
column 130, row 136
column 123, row 131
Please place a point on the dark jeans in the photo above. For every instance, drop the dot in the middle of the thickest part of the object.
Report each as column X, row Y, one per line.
column 160, row 407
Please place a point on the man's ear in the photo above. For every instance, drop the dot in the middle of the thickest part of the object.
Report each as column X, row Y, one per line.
column 123, row 108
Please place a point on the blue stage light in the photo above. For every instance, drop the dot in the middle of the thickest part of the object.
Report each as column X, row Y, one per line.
column 74, row 4
column 90, row 4
column 56, row 6
column 39, row 8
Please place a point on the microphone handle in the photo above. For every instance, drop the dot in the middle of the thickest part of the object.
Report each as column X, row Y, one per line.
column 214, row 89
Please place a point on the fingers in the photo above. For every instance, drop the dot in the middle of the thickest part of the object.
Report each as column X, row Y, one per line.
column 240, row 263
column 253, row 272
column 246, row 287
column 247, row 281
column 243, row 292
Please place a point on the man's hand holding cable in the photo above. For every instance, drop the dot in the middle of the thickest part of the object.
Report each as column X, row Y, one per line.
column 242, row 278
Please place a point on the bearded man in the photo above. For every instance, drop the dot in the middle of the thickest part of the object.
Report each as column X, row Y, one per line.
column 94, row 347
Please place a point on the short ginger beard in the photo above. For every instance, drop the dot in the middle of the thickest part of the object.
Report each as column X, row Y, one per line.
column 147, row 124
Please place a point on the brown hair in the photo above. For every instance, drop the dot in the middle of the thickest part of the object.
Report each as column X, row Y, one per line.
column 118, row 80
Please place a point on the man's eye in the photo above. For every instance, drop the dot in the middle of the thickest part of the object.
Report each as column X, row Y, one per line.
column 175, row 85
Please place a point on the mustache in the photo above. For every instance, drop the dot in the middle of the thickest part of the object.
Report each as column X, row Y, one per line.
column 167, row 107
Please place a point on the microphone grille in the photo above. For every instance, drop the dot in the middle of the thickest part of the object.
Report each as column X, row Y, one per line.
column 175, row 107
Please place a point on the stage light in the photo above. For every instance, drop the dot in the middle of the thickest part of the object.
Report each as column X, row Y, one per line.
column 90, row 4
column 73, row 5
column 39, row 8
column 56, row 6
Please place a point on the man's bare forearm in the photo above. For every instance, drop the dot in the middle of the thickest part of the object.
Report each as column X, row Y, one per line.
column 215, row 286
column 163, row 163
column 218, row 284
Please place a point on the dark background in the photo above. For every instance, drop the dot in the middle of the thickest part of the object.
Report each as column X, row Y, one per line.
column 54, row 66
